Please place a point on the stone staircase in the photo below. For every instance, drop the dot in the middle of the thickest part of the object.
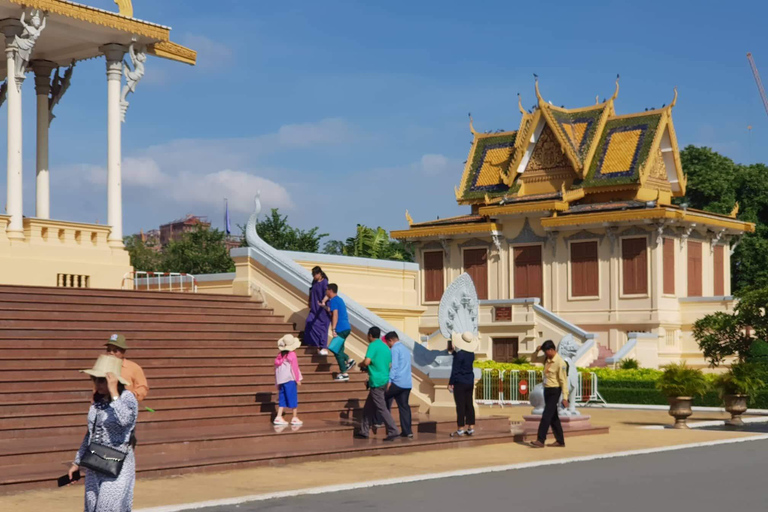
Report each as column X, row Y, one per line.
column 603, row 354
column 209, row 362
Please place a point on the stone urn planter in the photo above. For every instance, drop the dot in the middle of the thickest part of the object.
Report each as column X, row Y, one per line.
column 680, row 409
column 736, row 405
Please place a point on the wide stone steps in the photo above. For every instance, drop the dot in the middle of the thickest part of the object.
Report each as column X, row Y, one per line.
column 209, row 360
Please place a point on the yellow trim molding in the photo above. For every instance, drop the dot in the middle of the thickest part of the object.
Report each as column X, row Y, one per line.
column 647, row 214
column 172, row 51
column 125, row 7
column 455, row 229
column 98, row 17
column 534, row 206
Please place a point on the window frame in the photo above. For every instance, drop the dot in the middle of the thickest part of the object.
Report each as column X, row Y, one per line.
column 424, row 276
column 622, row 293
column 571, row 296
column 487, row 266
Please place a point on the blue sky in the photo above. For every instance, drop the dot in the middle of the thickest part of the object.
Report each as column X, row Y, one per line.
column 342, row 112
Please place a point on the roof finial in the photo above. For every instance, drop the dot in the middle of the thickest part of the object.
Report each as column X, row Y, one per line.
column 735, row 211
column 616, row 92
column 520, row 104
column 487, row 198
column 536, row 83
column 597, row 99
column 471, row 127
column 674, row 100
column 408, row 218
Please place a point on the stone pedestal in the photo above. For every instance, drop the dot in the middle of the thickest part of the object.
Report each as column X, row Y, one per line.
column 570, row 423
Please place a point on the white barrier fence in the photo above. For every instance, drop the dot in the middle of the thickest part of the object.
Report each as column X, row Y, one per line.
column 161, row 281
column 503, row 387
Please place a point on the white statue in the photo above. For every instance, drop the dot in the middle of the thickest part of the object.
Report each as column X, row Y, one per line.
column 251, row 235
column 133, row 75
column 25, row 43
column 59, row 86
column 567, row 348
column 458, row 312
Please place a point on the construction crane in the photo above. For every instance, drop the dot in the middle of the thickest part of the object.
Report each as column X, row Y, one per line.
column 758, row 81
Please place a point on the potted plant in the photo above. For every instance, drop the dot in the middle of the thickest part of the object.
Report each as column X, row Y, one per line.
column 680, row 384
column 735, row 388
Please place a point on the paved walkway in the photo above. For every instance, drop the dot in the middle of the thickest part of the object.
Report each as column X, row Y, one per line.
column 625, row 435
column 683, row 480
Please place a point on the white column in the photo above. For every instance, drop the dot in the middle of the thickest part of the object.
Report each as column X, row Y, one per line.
column 14, row 182
column 43, row 70
column 114, row 54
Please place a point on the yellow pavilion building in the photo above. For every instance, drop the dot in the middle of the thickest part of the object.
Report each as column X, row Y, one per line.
column 572, row 221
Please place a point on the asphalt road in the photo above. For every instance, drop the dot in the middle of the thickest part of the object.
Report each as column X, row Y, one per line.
column 709, row 479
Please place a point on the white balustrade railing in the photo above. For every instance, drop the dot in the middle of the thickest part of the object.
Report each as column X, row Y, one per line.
column 502, row 387
column 161, row 281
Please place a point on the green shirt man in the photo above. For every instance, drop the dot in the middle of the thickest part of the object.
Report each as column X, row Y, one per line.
column 381, row 360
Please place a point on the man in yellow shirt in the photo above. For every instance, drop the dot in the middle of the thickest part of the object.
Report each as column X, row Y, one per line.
column 555, row 384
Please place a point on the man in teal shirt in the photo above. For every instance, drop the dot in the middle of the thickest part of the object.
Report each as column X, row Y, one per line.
column 378, row 360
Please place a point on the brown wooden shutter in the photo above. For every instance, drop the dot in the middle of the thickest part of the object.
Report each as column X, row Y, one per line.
column 669, row 266
column 694, row 269
column 634, row 261
column 528, row 272
column 719, row 263
column 433, row 276
column 584, row 269
column 476, row 265
column 505, row 349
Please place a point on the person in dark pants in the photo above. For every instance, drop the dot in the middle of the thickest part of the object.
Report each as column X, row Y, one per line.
column 378, row 360
column 555, row 384
column 400, row 382
column 462, row 382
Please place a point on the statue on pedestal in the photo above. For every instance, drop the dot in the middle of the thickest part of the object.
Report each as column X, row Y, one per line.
column 25, row 43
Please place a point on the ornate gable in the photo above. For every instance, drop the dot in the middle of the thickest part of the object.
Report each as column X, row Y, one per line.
column 548, row 166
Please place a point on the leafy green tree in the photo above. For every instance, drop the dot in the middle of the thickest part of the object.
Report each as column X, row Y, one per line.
column 371, row 243
column 202, row 251
column 711, row 180
column 276, row 231
column 143, row 256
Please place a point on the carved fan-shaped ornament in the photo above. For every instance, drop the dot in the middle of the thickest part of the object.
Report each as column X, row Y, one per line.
column 458, row 308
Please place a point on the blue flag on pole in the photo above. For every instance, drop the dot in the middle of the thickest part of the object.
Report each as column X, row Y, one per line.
column 227, row 224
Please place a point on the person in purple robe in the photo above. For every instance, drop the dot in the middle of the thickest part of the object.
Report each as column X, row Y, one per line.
column 318, row 319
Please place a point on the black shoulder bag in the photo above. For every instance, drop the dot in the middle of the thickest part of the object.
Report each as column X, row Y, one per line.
column 102, row 459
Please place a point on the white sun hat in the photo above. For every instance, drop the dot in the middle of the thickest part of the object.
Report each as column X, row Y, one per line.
column 466, row 341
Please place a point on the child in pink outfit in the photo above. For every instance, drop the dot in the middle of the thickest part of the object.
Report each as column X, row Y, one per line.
column 287, row 378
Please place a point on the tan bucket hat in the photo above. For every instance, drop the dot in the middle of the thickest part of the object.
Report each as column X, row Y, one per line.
column 107, row 364
column 288, row 342
column 466, row 341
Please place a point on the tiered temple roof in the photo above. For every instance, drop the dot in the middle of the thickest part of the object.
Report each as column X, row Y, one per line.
column 573, row 162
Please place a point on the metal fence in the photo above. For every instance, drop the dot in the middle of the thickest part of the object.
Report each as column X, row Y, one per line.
column 161, row 281
column 502, row 387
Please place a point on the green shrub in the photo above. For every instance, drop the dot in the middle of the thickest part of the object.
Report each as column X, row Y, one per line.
column 741, row 379
column 758, row 352
column 520, row 360
column 629, row 364
column 679, row 379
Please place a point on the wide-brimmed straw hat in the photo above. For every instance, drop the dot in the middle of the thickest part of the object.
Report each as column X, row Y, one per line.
column 107, row 364
column 288, row 342
column 466, row 341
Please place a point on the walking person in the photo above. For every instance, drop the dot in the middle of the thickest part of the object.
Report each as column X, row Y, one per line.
column 111, row 419
column 400, row 382
column 287, row 378
column 555, row 385
column 132, row 372
column 340, row 328
column 377, row 363
column 462, row 382
column 318, row 319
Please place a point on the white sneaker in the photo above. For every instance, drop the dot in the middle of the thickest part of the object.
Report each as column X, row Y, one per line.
column 323, row 352
column 342, row 377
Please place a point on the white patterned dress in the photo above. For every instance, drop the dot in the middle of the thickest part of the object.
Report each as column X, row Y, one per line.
column 114, row 423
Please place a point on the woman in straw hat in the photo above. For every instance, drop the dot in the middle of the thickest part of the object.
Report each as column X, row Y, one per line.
column 111, row 420
column 462, row 381
column 287, row 378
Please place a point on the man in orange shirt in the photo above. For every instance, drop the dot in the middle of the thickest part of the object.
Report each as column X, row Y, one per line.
column 116, row 346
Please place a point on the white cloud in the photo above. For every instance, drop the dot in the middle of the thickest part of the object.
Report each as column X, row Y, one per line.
column 432, row 165
column 238, row 187
column 210, row 53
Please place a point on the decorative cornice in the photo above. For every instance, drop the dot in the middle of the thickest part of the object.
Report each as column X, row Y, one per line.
column 475, row 242
column 173, row 51
column 98, row 17
column 533, row 206
column 527, row 235
column 585, row 235
column 456, row 229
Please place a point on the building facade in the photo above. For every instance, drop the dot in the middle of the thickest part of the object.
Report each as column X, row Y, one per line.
column 174, row 230
column 573, row 211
